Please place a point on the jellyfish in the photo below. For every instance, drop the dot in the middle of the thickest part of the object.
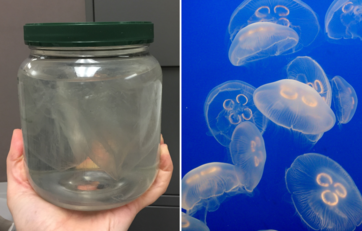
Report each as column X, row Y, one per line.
column 345, row 99
column 343, row 20
column 192, row 224
column 206, row 186
column 229, row 104
column 261, row 40
column 323, row 193
column 295, row 106
column 308, row 71
column 297, row 28
column 248, row 154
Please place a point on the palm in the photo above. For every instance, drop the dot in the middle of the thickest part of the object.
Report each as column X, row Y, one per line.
column 31, row 212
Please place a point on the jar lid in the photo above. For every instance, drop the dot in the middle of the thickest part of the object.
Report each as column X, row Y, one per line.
column 88, row 34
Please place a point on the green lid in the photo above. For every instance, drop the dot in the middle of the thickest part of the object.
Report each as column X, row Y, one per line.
column 88, row 34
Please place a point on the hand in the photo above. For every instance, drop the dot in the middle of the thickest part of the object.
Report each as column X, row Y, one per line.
column 31, row 212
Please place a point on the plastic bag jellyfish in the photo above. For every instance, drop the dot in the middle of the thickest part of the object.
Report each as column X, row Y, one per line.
column 308, row 71
column 299, row 25
column 192, row 224
column 345, row 99
column 343, row 20
column 206, row 186
column 261, row 40
column 229, row 104
column 294, row 105
column 248, row 154
column 323, row 193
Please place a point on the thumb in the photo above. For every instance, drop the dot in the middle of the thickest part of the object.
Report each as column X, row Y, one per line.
column 161, row 182
column 16, row 173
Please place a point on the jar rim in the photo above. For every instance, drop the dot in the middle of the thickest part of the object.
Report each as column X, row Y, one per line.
column 87, row 52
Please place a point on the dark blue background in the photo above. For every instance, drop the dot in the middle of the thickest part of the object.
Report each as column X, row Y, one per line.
column 205, row 64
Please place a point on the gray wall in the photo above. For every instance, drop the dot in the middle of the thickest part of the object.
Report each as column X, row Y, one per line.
column 13, row 15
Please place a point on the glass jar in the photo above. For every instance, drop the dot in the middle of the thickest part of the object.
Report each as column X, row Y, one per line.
column 90, row 102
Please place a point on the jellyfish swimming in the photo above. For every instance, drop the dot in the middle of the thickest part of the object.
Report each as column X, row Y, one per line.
column 261, row 40
column 281, row 27
column 295, row 106
column 206, row 186
column 343, row 20
column 248, row 154
column 344, row 98
column 229, row 104
column 306, row 70
column 192, row 224
column 323, row 194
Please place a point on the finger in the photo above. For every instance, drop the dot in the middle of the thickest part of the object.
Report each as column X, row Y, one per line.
column 15, row 163
column 165, row 159
column 16, row 146
column 161, row 182
column 162, row 140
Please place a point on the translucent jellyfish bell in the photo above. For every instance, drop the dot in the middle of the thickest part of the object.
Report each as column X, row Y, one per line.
column 294, row 14
column 294, row 105
column 343, row 20
column 323, row 193
column 261, row 40
column 192, row 224
column 206, row 186
column 248, row 153
column 229, row 104
column 306, row 70
column 344, row 98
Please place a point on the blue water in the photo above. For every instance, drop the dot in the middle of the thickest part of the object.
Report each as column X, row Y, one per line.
column 205, row 64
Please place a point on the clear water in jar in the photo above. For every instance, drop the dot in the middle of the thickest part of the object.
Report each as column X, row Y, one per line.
column 91, row 144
